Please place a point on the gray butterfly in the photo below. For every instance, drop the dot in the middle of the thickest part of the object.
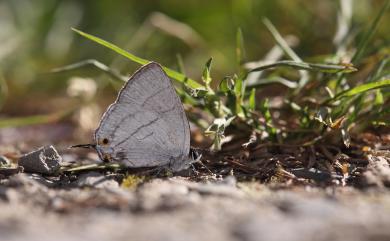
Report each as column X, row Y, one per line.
column 146, row 126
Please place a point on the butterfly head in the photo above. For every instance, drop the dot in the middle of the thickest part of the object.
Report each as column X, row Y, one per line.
column 104, row 149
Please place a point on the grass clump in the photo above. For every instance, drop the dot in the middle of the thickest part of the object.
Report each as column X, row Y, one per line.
column 319, row 99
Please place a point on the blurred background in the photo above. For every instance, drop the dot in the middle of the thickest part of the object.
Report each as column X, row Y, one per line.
column 36, row 37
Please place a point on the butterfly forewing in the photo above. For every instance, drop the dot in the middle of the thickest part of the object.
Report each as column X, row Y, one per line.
column 146, row 125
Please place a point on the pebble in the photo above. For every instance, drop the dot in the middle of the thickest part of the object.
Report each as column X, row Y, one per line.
column 45, row 160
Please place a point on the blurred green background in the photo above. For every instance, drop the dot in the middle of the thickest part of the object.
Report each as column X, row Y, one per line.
column 36, row 37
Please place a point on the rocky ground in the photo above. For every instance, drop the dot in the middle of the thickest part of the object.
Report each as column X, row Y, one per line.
column 96, row 207
column 48, row 196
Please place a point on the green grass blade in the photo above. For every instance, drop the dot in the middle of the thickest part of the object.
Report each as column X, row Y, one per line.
column 274, row 80
column 91, row 167
column 379, row 99
column 368, row 35
column 280, row 41
column 325, row 68
column 363, row 88
column 380, row 70
column 206, row 77
column 112, row 47
column 171, row 73
column 240, row 49
column 286, row 48
column 252, row 100
column 91, row 62
column 238, row 87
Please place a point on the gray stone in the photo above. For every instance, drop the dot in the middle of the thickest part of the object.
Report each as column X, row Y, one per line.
column 45, row 160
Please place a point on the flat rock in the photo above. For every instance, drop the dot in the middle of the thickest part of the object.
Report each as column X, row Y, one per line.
column 45, row 160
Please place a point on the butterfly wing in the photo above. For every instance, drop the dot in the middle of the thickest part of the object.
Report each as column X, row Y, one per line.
column 146, row 125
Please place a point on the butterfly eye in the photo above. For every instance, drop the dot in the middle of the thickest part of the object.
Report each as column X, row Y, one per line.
column 105, row 141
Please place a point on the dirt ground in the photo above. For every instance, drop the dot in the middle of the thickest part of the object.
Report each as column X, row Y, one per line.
column 96, row 207
column 109, row 204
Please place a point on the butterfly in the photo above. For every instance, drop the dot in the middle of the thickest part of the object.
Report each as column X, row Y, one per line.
column 146, row 126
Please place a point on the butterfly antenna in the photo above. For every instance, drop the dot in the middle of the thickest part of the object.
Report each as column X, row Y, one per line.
column 88, row 146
